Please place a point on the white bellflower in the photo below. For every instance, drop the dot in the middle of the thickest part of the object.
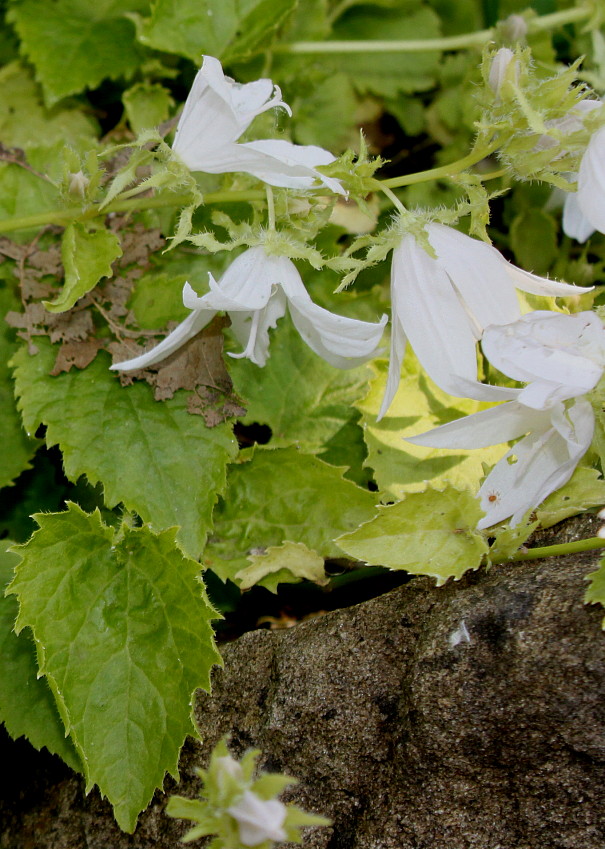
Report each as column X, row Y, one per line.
column 584, row 210
column 442, row 305
column 258, row 819
column 561, row 357
column 216, row 113
column 255, row 291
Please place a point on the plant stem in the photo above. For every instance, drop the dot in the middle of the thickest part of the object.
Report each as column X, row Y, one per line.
column 449, row 170
column 452, row 42
column 589, row 544
column 61, row 217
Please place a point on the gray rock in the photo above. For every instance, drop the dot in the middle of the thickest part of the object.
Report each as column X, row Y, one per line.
column 466, row 717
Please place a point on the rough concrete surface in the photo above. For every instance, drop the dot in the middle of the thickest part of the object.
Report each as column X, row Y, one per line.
column 466, row 717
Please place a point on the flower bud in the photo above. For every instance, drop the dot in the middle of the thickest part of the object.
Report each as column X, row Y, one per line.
column 78, row 183
column 499, row 68
column 514, row 29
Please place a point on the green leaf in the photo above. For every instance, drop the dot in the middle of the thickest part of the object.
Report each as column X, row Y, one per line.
column 24, row 120
column 419, row 405
column 509, row 540
column 533, row 238
column 17, row 447
column 595, row 594
column 287, row 563
column 23, row 193
column 302, row 398
column 87, row 256
column 27, row 706
column 75, row 44
column 147, row 105
column 283, row 495
column 153, row 456
column 122, row 627
column 325, row 113
column 585, row 489
column 389, row 74
column 227, row 29
column 428, row 533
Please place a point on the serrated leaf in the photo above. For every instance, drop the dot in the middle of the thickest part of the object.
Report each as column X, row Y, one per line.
column 146, row 105
column 24, row 120
column 87, row 257
column 93, row 40
column 23, row 193
column 27, row 706
column 153, row 456
column 122, row 627
column 283, row 495
column 428, row 533
column 287, row 563
column 231, row 29
column 17, row 448
column 418, row 406
column 302, row 398
column 585, row 489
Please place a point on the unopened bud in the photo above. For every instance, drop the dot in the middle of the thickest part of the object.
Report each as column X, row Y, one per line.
column 78, row 183
column 514, row 28
column 499, row 68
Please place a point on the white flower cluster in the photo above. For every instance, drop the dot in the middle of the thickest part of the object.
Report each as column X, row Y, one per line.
column 442, row 304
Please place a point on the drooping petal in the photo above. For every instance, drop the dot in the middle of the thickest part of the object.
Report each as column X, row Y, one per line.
column 487, row 427
column 480, row 274
column 251, row 329
column 245, row 285
column 545, row 460
column 282, row 163
column 341, row 341
column 186, row 330
column 398, row 345
column 591, row 181
column 429, row 310
column 575, row 223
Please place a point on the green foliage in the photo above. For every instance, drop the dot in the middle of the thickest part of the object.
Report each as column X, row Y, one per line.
column 27, row 706
column 303, row 399
column 534, row 240
column 428, row 533
column 584, row 490
column 153, row 457
column 87, row 256
column 17, row 447
column 146, row 105
column 287, row 563
column 122, row 630
column 418, row 406
column 228, row 29
column 281, row 495
column 94, row 40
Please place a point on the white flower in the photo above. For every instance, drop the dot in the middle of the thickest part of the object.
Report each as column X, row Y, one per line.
column 443, row 305
column 258, row 819
column 217, row 112
column 255, row 290
column 563, row 357
column 498, row 71
column 584, row 210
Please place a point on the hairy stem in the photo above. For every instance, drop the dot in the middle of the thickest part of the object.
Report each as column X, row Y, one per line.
column 452, row 42
column 589, row 544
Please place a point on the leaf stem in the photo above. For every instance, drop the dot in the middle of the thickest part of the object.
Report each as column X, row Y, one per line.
column 589, row 544
column 61, row 217
column 449, row 170
column 452, row 42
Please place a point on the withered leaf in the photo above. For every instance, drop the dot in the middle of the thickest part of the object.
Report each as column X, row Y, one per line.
column 78, row 354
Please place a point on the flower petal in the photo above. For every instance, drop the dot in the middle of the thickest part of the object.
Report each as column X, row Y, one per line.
column 545, row 460
column 246, row 285
column 251, row 329
column 591, row 181
column 258, row 819
column 487, row 427
column 398, row 344
column 431, row 314
column 281, row 163
column 575, row 223
column 186, row 330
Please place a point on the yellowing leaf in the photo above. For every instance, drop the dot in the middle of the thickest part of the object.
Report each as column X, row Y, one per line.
column 428, row 533
column 287, row 563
